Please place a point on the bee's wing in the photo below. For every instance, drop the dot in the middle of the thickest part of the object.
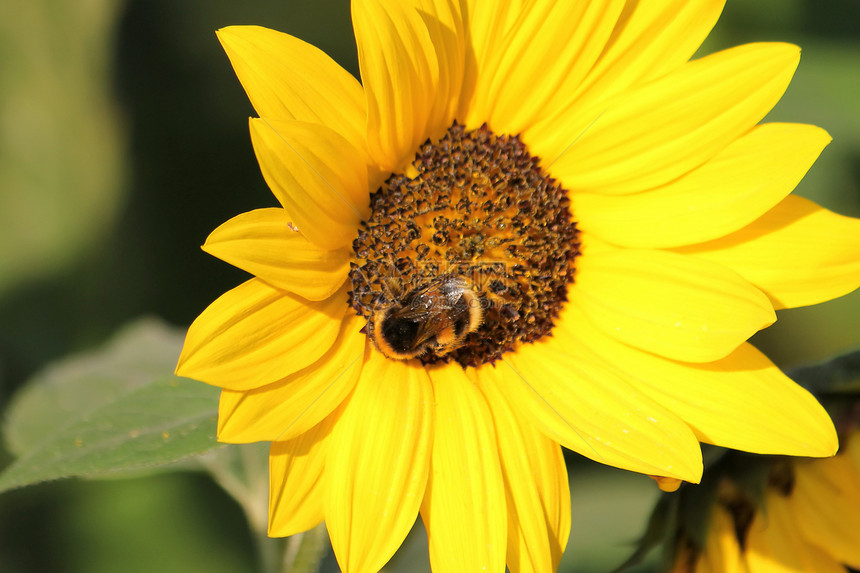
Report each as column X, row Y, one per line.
column 431, row 326
column 439, row 318
column 431, row 316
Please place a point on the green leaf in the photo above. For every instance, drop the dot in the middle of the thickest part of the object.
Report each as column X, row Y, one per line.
column 77, row 385
column 115, row 410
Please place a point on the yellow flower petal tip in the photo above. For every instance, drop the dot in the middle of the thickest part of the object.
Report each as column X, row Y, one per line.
column 529, row 225
column 667, row 484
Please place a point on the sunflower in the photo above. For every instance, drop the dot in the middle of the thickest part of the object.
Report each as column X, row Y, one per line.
column 532, row 224
column 807, row 520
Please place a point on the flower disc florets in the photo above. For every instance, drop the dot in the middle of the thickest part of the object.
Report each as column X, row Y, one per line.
column 474, row 205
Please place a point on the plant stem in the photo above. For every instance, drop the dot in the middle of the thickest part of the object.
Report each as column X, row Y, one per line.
column 269, row 551
column 304, row 552
column 243, row 473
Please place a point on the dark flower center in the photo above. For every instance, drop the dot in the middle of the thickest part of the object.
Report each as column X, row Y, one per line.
column 474, row 210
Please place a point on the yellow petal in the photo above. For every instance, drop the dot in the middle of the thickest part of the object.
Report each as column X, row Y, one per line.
column 317, row 175
column 378, row 461
column 654, row 134
column 444, row 23
column 550, row 49
column 592, row 245
column 742, row 401
column 798, row 253
column 826, row 500
column 651, row 39
column 536, row 488
column 667, row 484
column 286, row 78
column 731, row 190
column 775, row 544
column 400, row 72
column 464, row 508
column 722, row 553
column 296, row 480
column 675, row 306
column 256, row 334
column 285, row 409
column 486, row 26
column 594, row 412
column 262, row 243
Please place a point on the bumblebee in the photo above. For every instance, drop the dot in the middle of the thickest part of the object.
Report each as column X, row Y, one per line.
column 434, row 317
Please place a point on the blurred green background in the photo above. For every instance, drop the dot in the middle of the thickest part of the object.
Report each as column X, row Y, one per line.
column 124, row 142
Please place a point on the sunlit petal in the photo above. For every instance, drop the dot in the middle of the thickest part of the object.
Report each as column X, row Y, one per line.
column 589, row 409
column 651, row 135
column 262, row 243
column 731, row 190
column 295, row 480
column 256, row 334
column 675, row 306
column 486, row 26
column 798, row 253
column 464, row 510
column 378, row 461
column 287, row 408
column 536, row 487
column 286, row 78
column 444, row 22
column 325, row 200
column 650, row 39
column 400, row 70
column 741, row 401
column 550, row 48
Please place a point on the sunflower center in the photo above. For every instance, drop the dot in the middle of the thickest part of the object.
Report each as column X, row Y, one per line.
column 466, row 255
